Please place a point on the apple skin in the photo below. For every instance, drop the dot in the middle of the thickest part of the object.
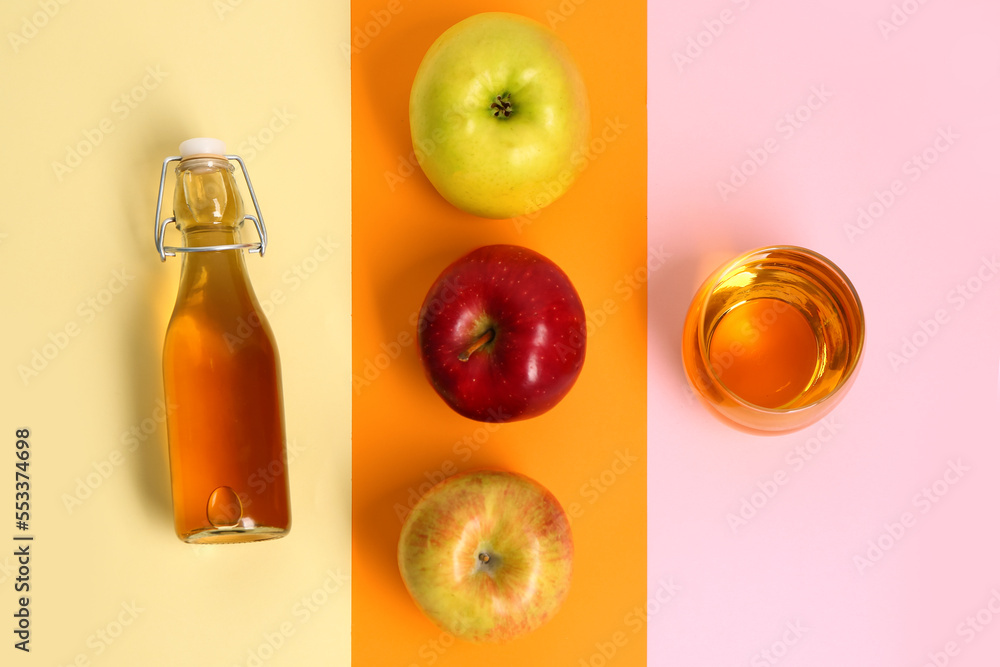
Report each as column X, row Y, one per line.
column 524, row 532
column 538, row 330
column 496, row 166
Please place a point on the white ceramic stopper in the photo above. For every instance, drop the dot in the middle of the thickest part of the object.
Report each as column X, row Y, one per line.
column 202, row 146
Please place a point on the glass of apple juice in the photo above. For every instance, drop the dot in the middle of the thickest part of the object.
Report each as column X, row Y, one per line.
column 773, row 339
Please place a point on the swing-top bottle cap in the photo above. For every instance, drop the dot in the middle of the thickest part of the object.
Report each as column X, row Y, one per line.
column 202, row 146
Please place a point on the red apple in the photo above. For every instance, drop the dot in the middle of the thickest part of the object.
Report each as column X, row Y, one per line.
column 502, row 334
column 487, row 555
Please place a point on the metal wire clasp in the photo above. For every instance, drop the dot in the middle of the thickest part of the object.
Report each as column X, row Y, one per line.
column 159, row 227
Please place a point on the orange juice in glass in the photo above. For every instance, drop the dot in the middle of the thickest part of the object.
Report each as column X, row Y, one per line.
column 773, row 339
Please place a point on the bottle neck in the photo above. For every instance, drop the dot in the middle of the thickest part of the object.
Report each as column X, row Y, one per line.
column 217, row 270
column 211, row 235
column 206, row 197
column 209, row 212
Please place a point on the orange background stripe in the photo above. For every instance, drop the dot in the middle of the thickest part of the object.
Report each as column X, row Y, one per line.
column 590, row 449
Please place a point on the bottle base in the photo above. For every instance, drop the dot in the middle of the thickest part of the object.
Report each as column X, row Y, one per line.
column 233, row 535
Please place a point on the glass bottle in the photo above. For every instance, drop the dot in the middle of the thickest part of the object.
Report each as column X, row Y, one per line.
column 221, row 373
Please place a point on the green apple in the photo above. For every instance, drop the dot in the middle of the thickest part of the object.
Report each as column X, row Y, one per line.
column 487, row 555
column 499, row 116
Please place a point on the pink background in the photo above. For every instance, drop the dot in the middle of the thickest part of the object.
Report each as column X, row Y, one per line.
column 731, row 594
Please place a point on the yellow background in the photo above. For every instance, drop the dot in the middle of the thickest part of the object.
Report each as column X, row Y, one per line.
column 125, row 82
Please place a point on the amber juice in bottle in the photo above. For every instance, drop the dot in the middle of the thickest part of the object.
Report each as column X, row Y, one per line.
column 221, row 375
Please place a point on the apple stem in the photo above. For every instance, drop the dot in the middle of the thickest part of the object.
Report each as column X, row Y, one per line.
column 482, row 340
column 484, row 558
column 502, row 106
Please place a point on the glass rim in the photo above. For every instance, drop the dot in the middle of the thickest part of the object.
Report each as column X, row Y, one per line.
column 728, row 267
column 203, row 162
